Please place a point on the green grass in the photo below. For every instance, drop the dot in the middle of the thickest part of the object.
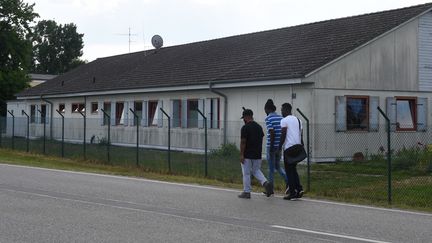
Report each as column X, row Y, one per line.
column 362, row 182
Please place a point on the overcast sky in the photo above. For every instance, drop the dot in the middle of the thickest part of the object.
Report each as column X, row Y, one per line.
column 105, row 23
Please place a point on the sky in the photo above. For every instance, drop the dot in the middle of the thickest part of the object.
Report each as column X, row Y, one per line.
column 106, row 23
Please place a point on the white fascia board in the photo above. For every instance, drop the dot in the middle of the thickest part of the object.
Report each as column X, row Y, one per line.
column 365, row 44
column 173, row 88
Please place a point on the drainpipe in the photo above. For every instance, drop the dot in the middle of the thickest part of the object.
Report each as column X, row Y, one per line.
column 51, row 114
column 225, row 110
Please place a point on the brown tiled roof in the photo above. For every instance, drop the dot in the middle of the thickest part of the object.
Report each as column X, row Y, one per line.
column 287, row 53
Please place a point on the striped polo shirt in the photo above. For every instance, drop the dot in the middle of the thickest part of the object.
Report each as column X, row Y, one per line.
column 273, row 122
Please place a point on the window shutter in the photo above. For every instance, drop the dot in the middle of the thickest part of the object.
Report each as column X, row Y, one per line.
column 422, row 114
column 340, row 113
column 373, row 114
column 144, row 119
column 131, row 115
column 101, row 114
column 160, row 114
column 48, row 113
column 126, row 113
column 391, row 112
column 37, row 114
column 208, row 112
column 184, row 113
column 200, row 118
column 176, row 113
column 113, row 113
column 215, row 114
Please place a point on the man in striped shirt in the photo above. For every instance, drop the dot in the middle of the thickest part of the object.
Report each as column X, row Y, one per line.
column 273, row 139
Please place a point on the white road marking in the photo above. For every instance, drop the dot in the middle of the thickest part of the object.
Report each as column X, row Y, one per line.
column 328, row 234
column 218, row 189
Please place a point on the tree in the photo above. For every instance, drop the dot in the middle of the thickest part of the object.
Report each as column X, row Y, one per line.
column 56, row 48
column 15, row 50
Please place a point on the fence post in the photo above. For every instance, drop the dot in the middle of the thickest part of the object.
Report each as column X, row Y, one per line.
column 169, row 139
column 13, row 129
column 109, row 133
column 307, row 148
column 85, row 129
column 137, row 136
column 62, row 146
column 205, row 142
column 44, row 130
column 389, row 172
column 28, row 128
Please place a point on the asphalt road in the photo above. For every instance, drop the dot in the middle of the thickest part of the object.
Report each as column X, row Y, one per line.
column 41, row 205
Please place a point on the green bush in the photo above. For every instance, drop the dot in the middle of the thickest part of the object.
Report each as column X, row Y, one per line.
column 228, row 150
column 406, row 158
column 416, row 159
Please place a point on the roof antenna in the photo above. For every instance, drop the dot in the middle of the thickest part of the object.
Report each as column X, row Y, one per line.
column 129, row 35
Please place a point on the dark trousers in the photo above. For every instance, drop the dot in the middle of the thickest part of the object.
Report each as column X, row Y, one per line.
column 293, row 178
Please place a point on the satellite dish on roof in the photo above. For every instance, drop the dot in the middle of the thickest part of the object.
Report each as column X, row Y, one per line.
column 157, row 41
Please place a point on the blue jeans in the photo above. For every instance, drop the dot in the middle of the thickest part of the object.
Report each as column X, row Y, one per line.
column 273, row 159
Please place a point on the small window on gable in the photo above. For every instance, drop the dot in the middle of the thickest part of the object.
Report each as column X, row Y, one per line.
column 61, row 108
column 94, row 108
column 406, row 114
column 357, row 113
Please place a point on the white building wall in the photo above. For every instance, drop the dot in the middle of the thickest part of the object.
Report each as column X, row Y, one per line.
column 425, row 52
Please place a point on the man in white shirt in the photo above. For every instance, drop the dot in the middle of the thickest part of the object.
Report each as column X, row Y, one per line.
column 291, row 135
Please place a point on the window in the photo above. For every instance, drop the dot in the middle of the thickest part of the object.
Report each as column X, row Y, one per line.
column 120, row 113
column 192, row 113
column 357, row 113
column 94, row 108
column 214, row 115
column 43, row 113
column 78, row 107
column 138, row 109
column 176, row 113
column 107, row 109
column 406, row 114
column 32, row 114
column 61, row 108
column 152, row 108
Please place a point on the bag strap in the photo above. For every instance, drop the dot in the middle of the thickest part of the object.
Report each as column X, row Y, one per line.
column 300, row 131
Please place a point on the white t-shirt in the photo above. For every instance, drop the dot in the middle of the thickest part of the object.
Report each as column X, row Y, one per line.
column 293, row 135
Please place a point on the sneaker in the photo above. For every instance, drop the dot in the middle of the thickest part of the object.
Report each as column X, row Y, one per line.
column 268, row 188
column 300, row 194
column 245, row 195
column 290, row 197
column 265, row 193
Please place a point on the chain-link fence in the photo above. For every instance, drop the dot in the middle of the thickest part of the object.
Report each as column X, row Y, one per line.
column 350, row 166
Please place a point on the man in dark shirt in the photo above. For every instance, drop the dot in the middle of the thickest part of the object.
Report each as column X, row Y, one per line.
column 251, row 154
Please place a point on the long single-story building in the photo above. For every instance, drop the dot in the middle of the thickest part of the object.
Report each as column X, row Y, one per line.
column 336, row 72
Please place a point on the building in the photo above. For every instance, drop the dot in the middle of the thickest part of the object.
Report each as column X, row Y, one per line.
column 336, row 72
